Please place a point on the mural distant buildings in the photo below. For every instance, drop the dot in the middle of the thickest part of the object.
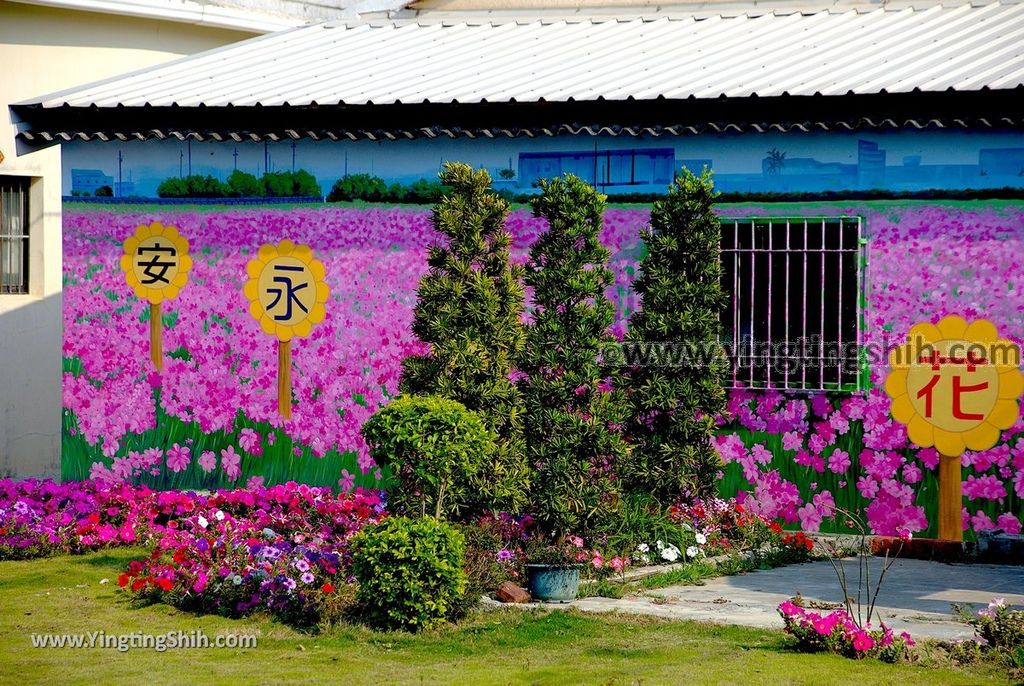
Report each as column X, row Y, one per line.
column 782, row 163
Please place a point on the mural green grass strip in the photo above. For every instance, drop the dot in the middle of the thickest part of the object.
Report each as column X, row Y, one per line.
column 278, row 463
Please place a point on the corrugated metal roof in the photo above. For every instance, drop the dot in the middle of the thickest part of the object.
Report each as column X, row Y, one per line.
column 963, row 48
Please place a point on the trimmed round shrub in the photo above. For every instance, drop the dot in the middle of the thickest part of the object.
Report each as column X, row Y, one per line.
column 435, row 449
column 409, row 571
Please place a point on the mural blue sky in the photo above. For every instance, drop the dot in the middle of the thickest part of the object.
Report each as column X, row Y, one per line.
column 783, row 162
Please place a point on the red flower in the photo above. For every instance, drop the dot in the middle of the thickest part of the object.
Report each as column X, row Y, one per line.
column 327, row 588
column 138, row 584
column 122, row 580
column 164, row 584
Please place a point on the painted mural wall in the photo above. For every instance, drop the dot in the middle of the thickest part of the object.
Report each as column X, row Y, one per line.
column 211, row 417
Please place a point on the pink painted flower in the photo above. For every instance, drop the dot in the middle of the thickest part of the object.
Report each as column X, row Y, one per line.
column 1008, row 523
column 231, row 462
column 208, row 460
column 982, row 522
column 791, row 440
column 178, row 458
column 249, row 441
column 839, row 461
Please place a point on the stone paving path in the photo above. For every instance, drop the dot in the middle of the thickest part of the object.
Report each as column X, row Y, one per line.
column 915, row 596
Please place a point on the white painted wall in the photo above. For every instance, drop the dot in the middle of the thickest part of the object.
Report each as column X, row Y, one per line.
column 43, row 50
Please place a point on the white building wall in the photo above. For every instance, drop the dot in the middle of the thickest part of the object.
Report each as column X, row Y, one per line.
column 44, row 50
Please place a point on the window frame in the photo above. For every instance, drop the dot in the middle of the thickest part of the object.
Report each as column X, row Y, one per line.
column 744, row 355
column 15, row 185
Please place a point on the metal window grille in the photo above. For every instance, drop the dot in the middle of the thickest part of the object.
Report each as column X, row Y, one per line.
column 13, row 234
column 794, row 316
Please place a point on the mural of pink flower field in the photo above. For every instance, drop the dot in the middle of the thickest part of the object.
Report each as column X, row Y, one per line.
column 210, row 419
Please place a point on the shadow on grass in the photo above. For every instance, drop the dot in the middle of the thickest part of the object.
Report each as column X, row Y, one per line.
column 114, row 558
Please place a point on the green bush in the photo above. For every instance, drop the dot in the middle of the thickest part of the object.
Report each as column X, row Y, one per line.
column 424, row 192
column 195, row 186
column 358, row 187
column 409, row 571
column 288, row 184
column 468, row 310
column 674, row 408
column 374, row 189
column 244, row 185
column 104, row 192
column 435, row 448
column 574, row 451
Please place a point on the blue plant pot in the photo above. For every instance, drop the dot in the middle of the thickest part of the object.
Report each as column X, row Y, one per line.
column 553, row 583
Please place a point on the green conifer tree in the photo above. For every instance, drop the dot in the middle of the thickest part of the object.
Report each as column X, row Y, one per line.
column 674, row 403
column 572, row 434
column 469, row 311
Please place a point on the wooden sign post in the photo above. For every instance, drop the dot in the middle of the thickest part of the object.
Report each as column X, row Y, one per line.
column 286, row 292
column 955, row 386
column 156, row 265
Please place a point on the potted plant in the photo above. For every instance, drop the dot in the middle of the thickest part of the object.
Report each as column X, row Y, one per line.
column 553, row 569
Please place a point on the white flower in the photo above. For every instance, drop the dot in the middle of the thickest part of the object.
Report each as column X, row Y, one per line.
column 203, row 522
column 701, row 538
column 670, row 553
column 219, row 514
column 692, row 551
column 643, row 547
column 661, row 546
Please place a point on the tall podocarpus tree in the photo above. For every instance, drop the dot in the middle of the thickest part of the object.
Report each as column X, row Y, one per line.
column 674, row 402
column 468, row 310
column 571, row 439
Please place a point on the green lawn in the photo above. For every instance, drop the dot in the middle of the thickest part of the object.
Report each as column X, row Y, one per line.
column 64, row 595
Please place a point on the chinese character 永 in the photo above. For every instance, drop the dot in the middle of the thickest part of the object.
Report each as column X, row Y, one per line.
column 288, row 292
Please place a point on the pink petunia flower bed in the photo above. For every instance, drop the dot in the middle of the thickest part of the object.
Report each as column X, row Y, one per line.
column 281, row 549
column 210, row 420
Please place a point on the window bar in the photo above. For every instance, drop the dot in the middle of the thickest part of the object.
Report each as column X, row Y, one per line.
column 753, row 280
column 735, row 301
column 860, row 253
column 789, row 350
column 821, row 321
column 771, row 351
column 803, row 321
column 840, row 356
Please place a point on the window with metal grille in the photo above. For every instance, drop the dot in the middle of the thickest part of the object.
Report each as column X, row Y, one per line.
column 13, row 234
column 794, row 314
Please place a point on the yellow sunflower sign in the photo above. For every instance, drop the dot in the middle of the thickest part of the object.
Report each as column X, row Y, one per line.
column 156, row 265
column 286, row 293
column 955, row 386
